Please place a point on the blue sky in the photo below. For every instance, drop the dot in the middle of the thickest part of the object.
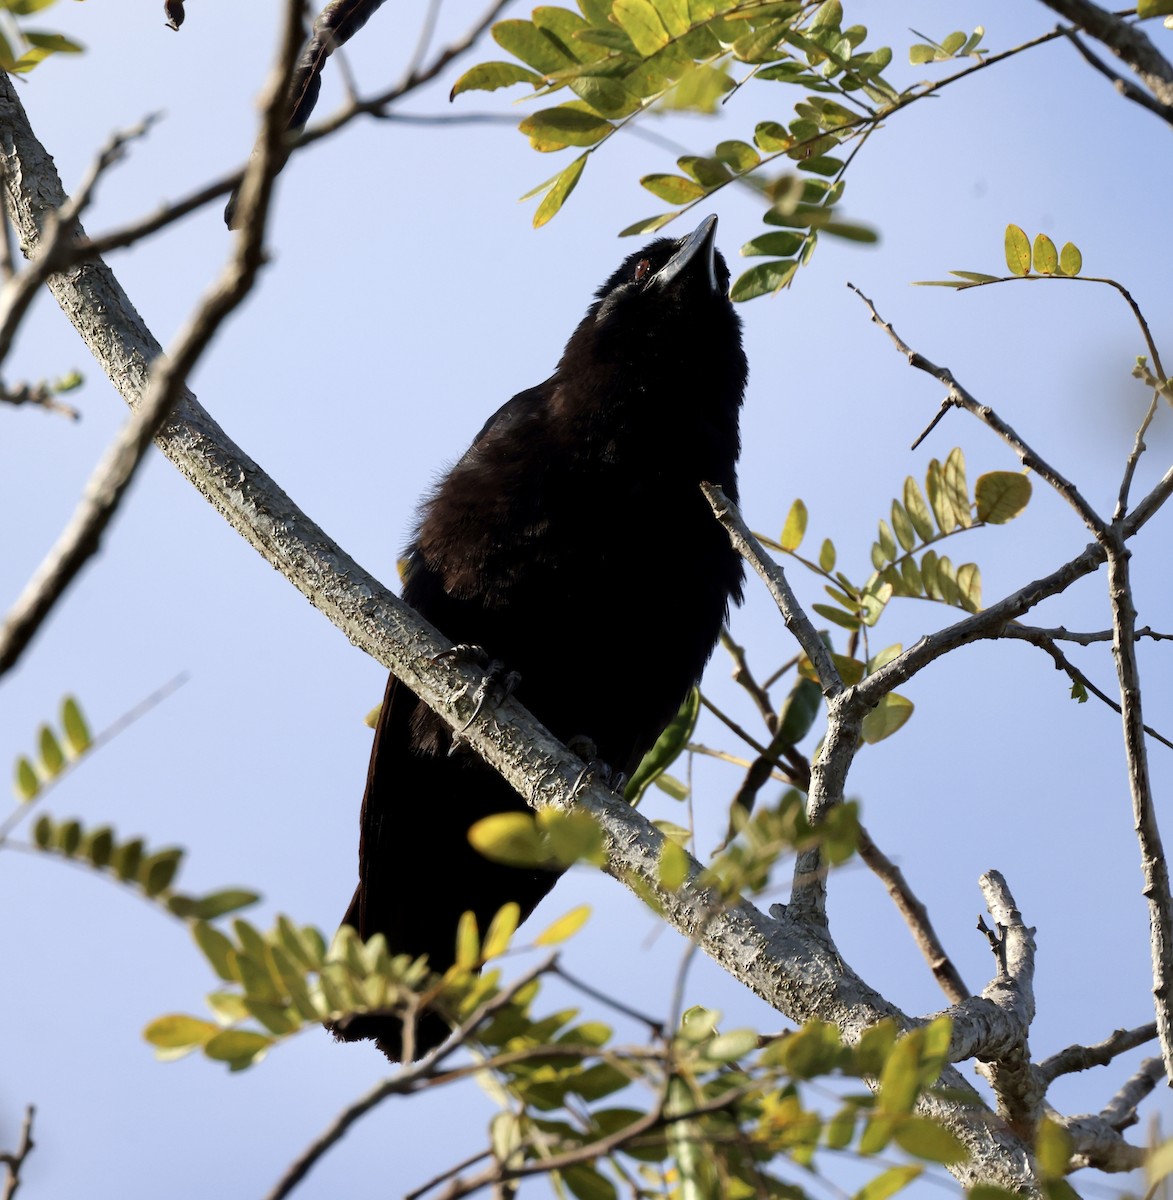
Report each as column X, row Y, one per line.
column 408, row 297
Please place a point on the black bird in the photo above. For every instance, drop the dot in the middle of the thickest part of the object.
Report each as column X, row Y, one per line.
column 572, row 543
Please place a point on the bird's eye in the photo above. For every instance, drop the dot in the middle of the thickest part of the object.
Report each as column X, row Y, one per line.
column 641, row 269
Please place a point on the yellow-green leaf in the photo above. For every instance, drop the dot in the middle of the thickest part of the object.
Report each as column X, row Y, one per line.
column 26, row 784
column 488, row 77
column 1001, row 496
column 886, row 718
column 969, row 587
column 925, row 1139
column 52, row 757
column 468, row 942
column 563, row 185
column 77, row 733
column 1017, row 251
column 917, row 509
column 673, row 865
column 176, row 1030
column 888, row 1183
column 795, row 527
column 827, row 555
column 1070, row 259
column 675, row 189
column 501, row 928
column 510, row 838
column 526, row 41
column 565, row 927
column 1046, row 257
column 640, row 21
column 554, row 128
column 237, row 1046
column 956, row 488
column 1053, row 1149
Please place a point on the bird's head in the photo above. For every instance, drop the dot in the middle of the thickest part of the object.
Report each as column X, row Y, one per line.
column 665, row 315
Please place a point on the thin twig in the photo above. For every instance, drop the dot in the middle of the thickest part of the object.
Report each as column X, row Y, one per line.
column 15, row 1161
column 1081, row 1058
column 959, row 397
column 1038, row 637
column 743, row 676
column 1125, row 87
column 113, row 475
column 1154, row 866
column 402, row 1082
column 916, row 917
column 654, row 1024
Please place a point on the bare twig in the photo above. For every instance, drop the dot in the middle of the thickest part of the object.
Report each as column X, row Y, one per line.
column 113, row 475
column 916, row 916
column 1061, row 634
column 1154, row 867
column 1038, row 637
column 15, row 1160
column 959, row 397
column 1125, row 87
column 743, row 676
column 1126, row 40
column 654, row 1024
column 403, row 1082
column 1080, row 1058
column 39, row 395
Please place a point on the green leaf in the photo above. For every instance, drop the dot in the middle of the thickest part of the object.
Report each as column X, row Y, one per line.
column 237, row 1046
column 969, row 587
column 924, row 1138
column 771, row 137
column 1053, row 1148
column 219, row 904
column 99, row 846
column 501, row 929
column 938, row 499
column 67, row 837
column 956, row 488
column 26, row 784
column 779, row 243
column 1070, row 259
column 177, row 1030
column 1153, row 8
column 468, row 942
column 156, row 872
column 731, row 1046
column 794, row 529
column 564, row 183
column 524, row 40
column 52, row 757
column 837, row 616
column 666, row 749
column 488, row 77
column 565, row 927
column 77, row 733
column 764, row 278
column 921, row 53
column 902, row 526
column 555, row 128
column 674, row 865
column 1046, row 257
column 675, row 189
column 738, row 156
column 850, row 231
column 583, row 1181
column 640, row 21
column 827, row 555
column 886, row 718
column 43, row 833
column 510, row 838
column 648, row 224
column 1001, row 496
column 572, row 837
column 1078, row 692
column 888, row 1183
column 54, row 43
column 218, row 950
column 1017, row 251
column 797, row 713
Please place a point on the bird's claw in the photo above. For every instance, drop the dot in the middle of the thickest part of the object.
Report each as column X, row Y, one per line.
column 496, row 683
column 596, row 770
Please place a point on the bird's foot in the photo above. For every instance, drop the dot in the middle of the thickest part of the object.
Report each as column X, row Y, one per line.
column 497, row 684
column 596, row 770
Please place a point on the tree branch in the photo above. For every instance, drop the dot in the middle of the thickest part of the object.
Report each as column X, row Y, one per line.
column 15, row 1161
column 113, row 475
column 1080, row 1058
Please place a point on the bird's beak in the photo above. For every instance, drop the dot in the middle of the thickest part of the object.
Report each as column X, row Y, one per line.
column 695, row 253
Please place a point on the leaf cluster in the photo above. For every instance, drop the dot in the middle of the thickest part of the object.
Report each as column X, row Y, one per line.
column 622, row 57
column 1021, row 257
column 21, row 48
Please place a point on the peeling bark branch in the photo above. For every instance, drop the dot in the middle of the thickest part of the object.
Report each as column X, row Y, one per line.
column 1080, row 1058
